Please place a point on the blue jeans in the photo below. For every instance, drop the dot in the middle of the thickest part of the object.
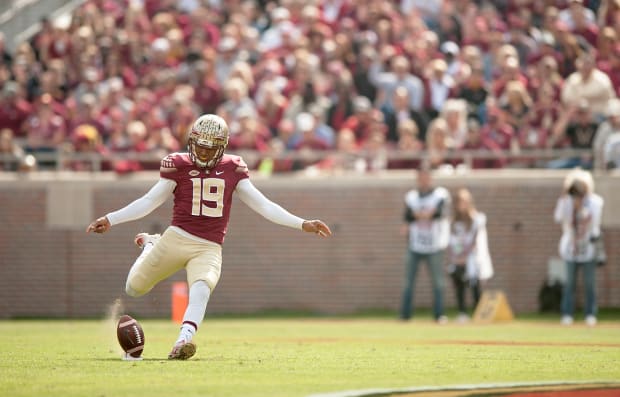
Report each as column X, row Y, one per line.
column 434, row 264
column 589, row 283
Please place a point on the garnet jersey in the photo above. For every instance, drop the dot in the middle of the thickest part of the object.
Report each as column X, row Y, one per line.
column 202, row 197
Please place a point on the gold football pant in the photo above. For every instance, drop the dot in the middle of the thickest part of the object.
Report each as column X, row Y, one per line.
column 202, row 260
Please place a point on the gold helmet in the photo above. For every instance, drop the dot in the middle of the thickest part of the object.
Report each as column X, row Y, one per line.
column 211, row 132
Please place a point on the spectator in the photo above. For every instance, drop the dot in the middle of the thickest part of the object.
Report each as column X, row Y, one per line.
column 499, row 131
column 590, row 84
column 454, row 112
column 474, row 91
column 409, row 144
column 605, row 145
column 363, row 119
column 476, row 141
column 309, row 135
column 438, row 143
column 545, row 111
column 469, row 258
column 13, row 109
column 427, row 211
column 401, row 112
column 576, row 126
column 86, row 140
column 439, row 86
column 271, row 105
column 387, row 82
column 237, row 98
column 361, row 75
column 341, row 106
column 45, row 130
column 516, row 104
column 611, row 152
column 11, row 153
column 579, row 210
column 346, row 157
column 5, row 56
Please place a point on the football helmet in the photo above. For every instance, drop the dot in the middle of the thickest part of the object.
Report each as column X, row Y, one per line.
column 208, row 132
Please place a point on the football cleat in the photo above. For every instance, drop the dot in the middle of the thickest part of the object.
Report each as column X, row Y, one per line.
column 142, row 239
column 182, row 350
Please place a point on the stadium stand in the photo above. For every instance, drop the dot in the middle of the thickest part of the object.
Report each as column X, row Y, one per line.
column 326, row 84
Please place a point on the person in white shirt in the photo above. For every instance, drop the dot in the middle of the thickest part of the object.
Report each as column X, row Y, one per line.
column 427, row 211
column 579, row 211
column 469, row 259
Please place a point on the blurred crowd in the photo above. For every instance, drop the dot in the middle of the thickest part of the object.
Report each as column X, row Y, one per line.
column 327, row 84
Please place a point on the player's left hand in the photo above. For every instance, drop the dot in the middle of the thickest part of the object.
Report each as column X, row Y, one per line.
column 100, row 225
column 316, row 226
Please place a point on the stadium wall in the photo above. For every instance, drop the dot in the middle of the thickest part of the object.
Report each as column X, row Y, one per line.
column 50, row 267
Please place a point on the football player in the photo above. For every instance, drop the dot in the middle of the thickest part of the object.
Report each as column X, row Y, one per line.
column 202, row 182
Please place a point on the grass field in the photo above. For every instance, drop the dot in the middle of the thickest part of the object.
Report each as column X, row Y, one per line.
column 299, row 356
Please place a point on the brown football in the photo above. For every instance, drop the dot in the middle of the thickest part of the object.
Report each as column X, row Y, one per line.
column 130, row 335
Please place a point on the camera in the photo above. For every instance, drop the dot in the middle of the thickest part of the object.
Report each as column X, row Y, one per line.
column 576, row 190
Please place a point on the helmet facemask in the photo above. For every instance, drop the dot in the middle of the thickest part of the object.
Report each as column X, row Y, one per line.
column 209, row 131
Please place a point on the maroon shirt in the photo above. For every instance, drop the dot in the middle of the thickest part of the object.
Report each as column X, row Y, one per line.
column 202, row 198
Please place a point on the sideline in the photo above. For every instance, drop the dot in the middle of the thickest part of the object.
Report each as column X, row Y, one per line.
column 446, row 391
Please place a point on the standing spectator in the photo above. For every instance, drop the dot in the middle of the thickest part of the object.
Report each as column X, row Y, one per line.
column 427, row 211
column 578, row 211
column 469, row 258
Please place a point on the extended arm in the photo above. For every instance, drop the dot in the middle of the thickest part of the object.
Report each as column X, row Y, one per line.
column 137, row 209
column 257, row 201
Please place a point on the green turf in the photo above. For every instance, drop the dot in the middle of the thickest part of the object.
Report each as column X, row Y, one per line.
column 299, row 356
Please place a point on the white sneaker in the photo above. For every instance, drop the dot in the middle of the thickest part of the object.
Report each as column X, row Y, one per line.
column 462, row 318
column 590, row 320
column 566, row 320
column 442, row 320
column 142, row 239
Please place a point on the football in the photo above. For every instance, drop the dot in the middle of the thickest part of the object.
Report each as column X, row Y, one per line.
column 130, row 336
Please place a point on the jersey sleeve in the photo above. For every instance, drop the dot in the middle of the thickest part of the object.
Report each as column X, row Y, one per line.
column 168, row 167
column 241, row 168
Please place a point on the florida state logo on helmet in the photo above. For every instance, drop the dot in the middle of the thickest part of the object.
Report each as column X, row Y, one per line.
column 208, row 132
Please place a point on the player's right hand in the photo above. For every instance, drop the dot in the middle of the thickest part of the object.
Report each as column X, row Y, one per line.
column 100, row 225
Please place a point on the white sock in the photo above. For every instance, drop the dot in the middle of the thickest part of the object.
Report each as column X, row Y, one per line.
column 199, row 293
